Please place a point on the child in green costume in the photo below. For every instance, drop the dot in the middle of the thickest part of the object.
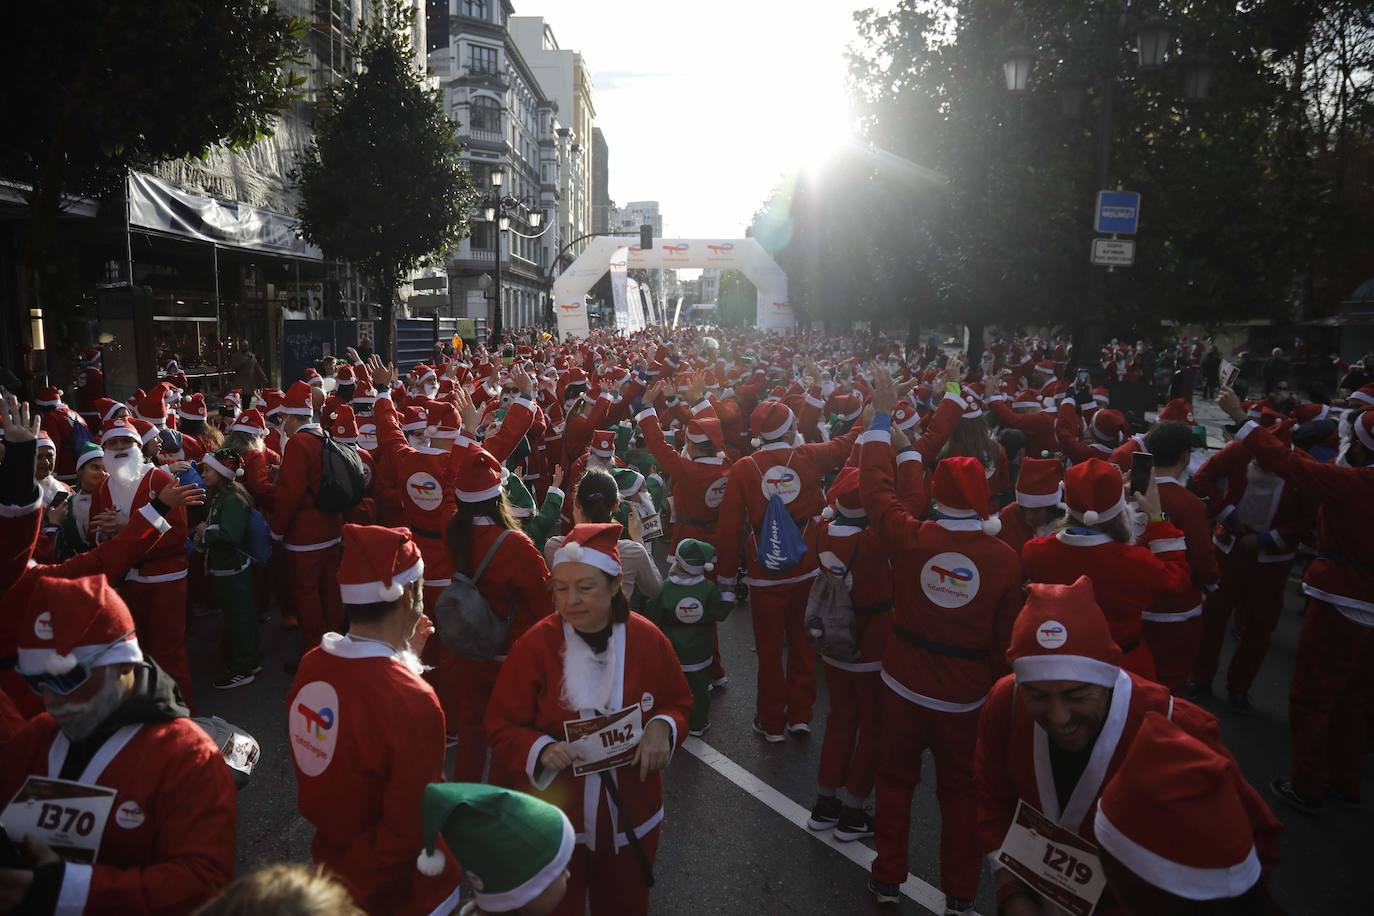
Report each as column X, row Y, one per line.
column 539, row 526
column 687, row 610
column 223, row 536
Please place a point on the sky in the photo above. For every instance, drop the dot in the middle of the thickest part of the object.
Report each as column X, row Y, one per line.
column 706, row 104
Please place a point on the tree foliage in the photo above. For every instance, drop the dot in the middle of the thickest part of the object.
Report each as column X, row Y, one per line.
column 969, row 204
column 383, row 185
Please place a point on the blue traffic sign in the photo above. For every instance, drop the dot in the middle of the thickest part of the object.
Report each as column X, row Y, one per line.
column 1117, row 211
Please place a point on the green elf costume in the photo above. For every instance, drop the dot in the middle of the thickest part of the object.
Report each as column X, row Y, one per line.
column 520, row 501
column 687, row 610
column 514, row 848
column 230, row 569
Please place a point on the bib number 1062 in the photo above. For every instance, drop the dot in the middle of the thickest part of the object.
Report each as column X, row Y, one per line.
column 66, row 820
column 1067, row 864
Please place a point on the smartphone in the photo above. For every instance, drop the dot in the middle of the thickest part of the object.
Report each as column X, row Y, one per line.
column 1142, row 470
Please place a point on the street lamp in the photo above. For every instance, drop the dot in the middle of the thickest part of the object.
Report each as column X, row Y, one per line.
column 496, row 208
column 1016, row 68
column 1153, row 39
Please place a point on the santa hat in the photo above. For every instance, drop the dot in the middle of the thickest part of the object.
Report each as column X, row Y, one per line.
column 152, row 406
column 424, row 373
column 512, row 845
column 226, row 462
column 1364, row 396
column 89, row 451
column 414, row 419
column 343, row 425
column 234, row 397
column 43, row 440
column 1308, row 413
column 1025, row 398
column 49, row 397
column 480, row 478
column 1363, row 426
column 1109, row 426
column 905, row 416
column 847, row 406
column 603, row 443
column 973, row 407
column 1062, row 635
column 1102, row 396
column 106, row 407
column 960, row 491
column 193, row 408
column 1045, row 367
column 706, row 429
column 1179, row 411
column 120, row 427
column 593, row 544
column 1040, row 483
column 694, row 557
column 147, row 432
column 770, row 421
column 844, row 495
column 1175, row 815
column 90, row 355
column 312, row 378
column 297, row 401
column 344, row 375
column 377, row 564
column 250, row 421
column 67, row 622
column 628, row 481
column 274, row 401
column 441, row 422
column 1094, row 492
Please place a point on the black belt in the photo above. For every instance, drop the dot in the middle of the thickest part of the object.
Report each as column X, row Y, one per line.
column 694, row 522
column 1130, row 647
column 1343, row 560
column 868, row 610
column 936, row 648
column 422, row 533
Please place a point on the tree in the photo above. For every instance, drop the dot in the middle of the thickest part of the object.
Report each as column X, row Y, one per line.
column 737, row 303
column 383, row 185
column 97, row 87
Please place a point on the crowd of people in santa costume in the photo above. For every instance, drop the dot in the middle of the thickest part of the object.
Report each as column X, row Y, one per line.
column 520, row 556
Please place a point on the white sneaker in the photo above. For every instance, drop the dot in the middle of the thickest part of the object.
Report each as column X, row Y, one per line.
column 771, row 739
column 720, row 681
column 800, row 728
column 698, row 732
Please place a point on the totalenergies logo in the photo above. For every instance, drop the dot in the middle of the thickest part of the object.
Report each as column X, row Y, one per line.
column 319, row 721
column 721, row 248
column 424, row 487
column 569, row 306
column 781, row 307
column 959, row 578
column 676, row 249
column 949, row 580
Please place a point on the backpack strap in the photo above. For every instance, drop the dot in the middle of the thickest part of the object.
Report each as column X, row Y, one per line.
column 491, row 552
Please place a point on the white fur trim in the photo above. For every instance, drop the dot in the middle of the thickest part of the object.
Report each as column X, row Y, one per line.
column 430, row 864
column 1038, row 500
column 1091, row 517
column 370, row 592
column 992, row 525
column 580, row 553
column 1033, row 668
column 221, row 468
column 477, row 496
column 59, row 664
column 1188, row 881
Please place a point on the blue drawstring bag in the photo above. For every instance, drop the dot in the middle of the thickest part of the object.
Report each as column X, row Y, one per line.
column 257, row 538
column 780, row 540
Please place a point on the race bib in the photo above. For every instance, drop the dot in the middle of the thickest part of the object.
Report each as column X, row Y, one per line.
column 783, row 481
column 605, row 742
column 1055, row 862
column 68, row 816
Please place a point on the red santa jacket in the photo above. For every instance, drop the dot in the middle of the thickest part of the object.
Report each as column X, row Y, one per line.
column 274, row 441
column 165, row 561
column 90, row 387
column 1039, row 427
column 1189, row 516
column 1241, row 494
column 60, row 425
column 698, row 483
column 1128, row 579
column 577, row 431
column 367, row 736
column 516, row 579
column 1015, row 532
column 953, row 606
column 1343, row 572
column 296, row 522
column 168, row 845
column 1012, row 762
column 258, row 480
column 795, row 475
column 1121, row 455
column 526, row 714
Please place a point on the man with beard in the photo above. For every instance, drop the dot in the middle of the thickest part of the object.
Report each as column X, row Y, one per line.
column 1333, row 675
column 367, row 732
column 150, row 782
column 155, row 589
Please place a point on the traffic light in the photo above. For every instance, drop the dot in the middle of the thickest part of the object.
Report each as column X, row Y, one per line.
column 646, row 237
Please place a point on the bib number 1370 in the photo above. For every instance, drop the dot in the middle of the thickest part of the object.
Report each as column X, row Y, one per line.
column 1067, row 864
column 67, row 820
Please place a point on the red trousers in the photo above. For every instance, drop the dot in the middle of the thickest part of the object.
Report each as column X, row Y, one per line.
column 159, row 610
column 907, row 731
column 1254, row 592
column 1138, row 660
column 1333, row 677
column 779, row 615
column 315, row 592
column 1174, row 645
column 464, row 689
column 849, row 751
column 611, row 882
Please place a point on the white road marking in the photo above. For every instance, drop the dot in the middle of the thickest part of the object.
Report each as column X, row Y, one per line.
column 929, row 897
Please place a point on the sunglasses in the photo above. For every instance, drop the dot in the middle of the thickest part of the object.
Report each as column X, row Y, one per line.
column 66, row 683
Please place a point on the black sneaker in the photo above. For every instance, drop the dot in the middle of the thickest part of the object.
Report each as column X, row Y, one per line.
column 1193, row 692
column 855, row 824
column 885, row 893
column 231, row 680
column 1282, row 789
column 825, row 813
column 1239, row 703
column 955, row 906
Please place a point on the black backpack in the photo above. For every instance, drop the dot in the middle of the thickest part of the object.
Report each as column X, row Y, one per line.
column 465, row 622
column 343, row 480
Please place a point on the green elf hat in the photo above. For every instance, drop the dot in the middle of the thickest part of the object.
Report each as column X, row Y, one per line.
column 512, row 846
column 89, row 451
column 518, row 498
column 628, row 481
column 694, row 557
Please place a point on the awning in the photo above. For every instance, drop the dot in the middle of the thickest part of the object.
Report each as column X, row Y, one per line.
column 155, row 204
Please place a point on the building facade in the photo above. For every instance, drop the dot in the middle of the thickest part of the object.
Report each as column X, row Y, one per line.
column 506, row 122
column 601, row 183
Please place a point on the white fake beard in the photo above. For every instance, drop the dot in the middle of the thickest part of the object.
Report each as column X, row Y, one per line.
column 588, row 677
column 126, row 473
column 92, row 712
column 417, row 440
column 430, row 390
